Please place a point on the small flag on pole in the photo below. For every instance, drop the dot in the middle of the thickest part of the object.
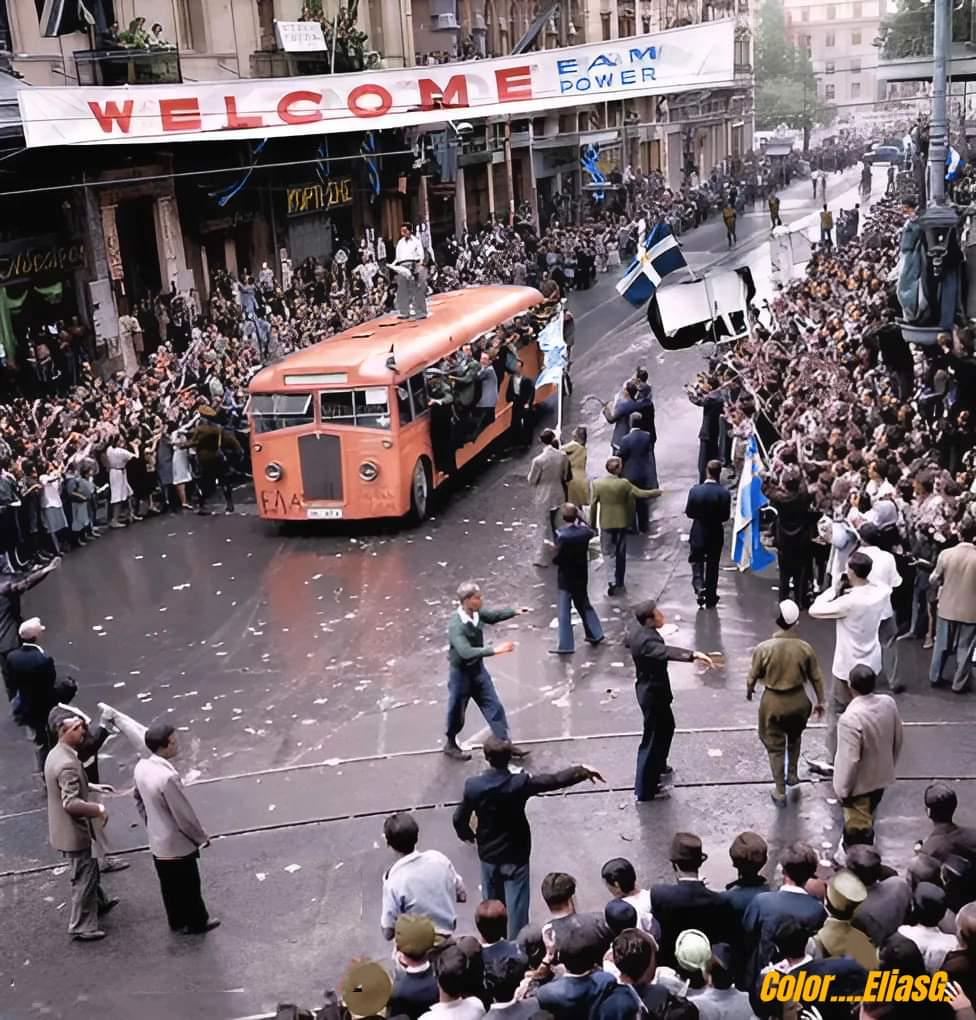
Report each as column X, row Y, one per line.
column 658, row 254
column 554, row 353
column 954, row 164
column 748, row 552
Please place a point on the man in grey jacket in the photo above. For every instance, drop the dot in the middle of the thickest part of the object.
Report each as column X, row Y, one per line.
column 869, row 739
column 175, row 833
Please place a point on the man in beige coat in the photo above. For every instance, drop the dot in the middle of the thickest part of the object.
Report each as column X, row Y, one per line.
column 175, row 833
column 869, row 739
column 70, row 815
column 549, row 473
column 613, row 502
column 955, row 629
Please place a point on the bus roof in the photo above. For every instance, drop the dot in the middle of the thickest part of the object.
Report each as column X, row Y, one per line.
column 358, row 356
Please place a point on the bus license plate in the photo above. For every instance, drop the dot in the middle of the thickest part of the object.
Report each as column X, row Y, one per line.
column 320, row 513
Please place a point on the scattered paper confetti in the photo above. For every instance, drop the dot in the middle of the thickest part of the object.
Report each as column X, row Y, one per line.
column 292, row 868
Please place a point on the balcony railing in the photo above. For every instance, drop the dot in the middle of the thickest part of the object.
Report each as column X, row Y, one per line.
column 128, row 67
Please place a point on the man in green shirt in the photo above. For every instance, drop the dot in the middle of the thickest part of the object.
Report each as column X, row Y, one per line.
column 468, row 679
column 784, row 665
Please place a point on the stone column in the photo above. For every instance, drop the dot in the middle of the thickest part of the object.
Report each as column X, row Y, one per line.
column 169, row 240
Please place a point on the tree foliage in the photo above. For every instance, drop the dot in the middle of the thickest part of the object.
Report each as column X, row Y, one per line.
column 786, row 86
column 352, row 51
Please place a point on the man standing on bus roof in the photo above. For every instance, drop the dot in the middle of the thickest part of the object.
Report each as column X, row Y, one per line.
column 468, row 679
column 411, row 290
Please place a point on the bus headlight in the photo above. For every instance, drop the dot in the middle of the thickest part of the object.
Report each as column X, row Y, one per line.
column 368, row 471
column 274, row 472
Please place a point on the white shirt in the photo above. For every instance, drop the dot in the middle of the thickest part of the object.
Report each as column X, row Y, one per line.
column 641, row 902
column 932, row 944
column 884, row 571
column 423, row 882
column 858, row 613
column 465, row 618
column 461, row 1009
column 410, row 249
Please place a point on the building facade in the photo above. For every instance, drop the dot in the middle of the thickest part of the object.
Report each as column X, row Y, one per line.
column 840, row 39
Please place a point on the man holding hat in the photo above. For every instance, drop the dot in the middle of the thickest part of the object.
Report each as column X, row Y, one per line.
column 653, row 688
column 687, row 903
column 785, row 664
column 838, row 937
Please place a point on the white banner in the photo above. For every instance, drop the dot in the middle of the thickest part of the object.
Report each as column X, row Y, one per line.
column 697, row 57
column 300, row 36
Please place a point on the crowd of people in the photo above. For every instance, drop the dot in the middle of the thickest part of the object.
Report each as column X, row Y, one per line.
column 863, row 431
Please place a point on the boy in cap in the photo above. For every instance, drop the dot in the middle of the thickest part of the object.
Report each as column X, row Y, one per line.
column 692, row 953
column 838, row 937
column 415, row 987
column 687, row 903
column 785, row 664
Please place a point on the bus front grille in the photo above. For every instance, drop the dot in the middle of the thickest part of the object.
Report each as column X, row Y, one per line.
column 321, row 457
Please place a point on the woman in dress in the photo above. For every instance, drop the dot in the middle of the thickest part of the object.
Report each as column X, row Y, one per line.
column 182, row 470
column 117, row 457
column 52, row 509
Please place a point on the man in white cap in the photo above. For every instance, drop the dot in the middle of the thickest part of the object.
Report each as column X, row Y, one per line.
column 32, row 676
column 785, row 664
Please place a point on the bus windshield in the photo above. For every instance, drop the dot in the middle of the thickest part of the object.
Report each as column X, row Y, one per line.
column 367, row 408
column 273, row 411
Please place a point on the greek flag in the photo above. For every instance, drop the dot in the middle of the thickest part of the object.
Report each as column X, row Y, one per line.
column 954, row 164
column 747, row 550
column 659, row 254
column 554, row 353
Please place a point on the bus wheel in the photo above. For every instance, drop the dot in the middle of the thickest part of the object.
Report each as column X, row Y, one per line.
column 420, row 491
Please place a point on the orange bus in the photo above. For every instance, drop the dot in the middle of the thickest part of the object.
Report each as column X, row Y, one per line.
column 341, row 429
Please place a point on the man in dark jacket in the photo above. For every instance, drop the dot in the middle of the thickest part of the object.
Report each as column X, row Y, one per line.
column 33, row 675
column 651, row 656
column 521, row 394
column 709, row 506
column 216, row 449
column 11, row 589
column 627, row 404
column 573, row 560
column 748, row 854
column 497, row 799
column 769, row 910
column 686, row 903
column 794, row 538
column 639, row 467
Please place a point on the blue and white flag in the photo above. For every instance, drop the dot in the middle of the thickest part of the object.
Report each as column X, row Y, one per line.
column 658, row 254
column 954, row 164
column 554, row 353
column 747, row 549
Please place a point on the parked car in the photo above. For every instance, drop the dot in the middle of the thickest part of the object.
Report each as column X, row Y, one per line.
column 884, row 154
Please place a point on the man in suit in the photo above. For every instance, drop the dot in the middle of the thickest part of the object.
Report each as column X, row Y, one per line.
column 70, row 816
column 869, row 739
column 33, row 675
column 468, row 677
column 709, row 507
column 572, row 579
column 175, row 833
column 888, row 899
column 521, row 395
column 550, row 473
column 637, row 457
column 955, row 629
column 653, row 689
column 946, row 838
column 12, row 587
column 613, row 501
column 687, row 903
column 767, row 912
column 497, row 799
column 628, row 403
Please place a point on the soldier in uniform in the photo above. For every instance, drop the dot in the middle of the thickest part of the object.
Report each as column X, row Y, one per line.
column 838, row 937
column 784, row 665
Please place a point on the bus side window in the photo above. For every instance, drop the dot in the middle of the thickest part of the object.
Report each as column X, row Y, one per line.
column 403, row 403
column 418, row 389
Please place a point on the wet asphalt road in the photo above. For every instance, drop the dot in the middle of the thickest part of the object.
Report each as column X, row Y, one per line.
column 307, row 676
